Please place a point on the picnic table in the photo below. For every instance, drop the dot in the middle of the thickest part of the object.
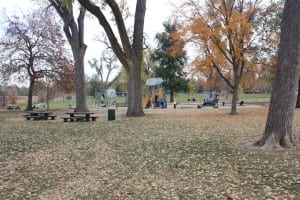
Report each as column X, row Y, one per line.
column 39, row 115
column 79, row 116
column 13, row 107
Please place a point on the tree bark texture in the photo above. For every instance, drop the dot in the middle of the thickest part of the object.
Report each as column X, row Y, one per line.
column 171, row 96
column 81, row 105
column 235, row 88
column 30, row 95
column 298, row 96
column 130, row 55
column 278, row 130
column 234, row 100
column 134, row 92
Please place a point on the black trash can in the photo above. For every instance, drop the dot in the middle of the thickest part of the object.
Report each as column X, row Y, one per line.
column 111, row 114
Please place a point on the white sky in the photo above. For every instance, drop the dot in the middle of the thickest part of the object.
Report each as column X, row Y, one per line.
column 157, row 12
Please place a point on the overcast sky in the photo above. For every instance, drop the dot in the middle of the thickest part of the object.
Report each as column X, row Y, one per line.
column 157, row 12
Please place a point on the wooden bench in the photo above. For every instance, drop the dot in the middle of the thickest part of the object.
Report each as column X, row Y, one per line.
column 79, row 119
column 73, row 119
column 93, row 118
column 34, row 117
column 52, row 117
column 79, row 116
column 28, row 117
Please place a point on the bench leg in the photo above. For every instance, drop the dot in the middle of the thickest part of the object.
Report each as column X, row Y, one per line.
column 80, row 119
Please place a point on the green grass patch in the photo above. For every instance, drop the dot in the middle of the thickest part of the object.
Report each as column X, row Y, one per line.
column 247, row 98
column 179, row 97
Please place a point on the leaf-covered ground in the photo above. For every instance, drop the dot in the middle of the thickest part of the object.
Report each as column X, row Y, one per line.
column 169, row 154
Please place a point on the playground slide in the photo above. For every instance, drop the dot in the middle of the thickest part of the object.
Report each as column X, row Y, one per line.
column 148, row 101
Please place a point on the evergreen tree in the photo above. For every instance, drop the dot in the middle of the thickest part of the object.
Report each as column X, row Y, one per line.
column 170, row 58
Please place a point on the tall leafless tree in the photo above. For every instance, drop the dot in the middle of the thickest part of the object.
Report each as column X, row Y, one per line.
column 74, row 32
column 105, row 66
column 130, row 54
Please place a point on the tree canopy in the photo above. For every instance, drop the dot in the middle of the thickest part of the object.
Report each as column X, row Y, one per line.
column 228, row 35
column 34, row 48
column 105, row 66
column 170, row 63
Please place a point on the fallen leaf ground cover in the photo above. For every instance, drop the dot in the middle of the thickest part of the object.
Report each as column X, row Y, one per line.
column 169, row 154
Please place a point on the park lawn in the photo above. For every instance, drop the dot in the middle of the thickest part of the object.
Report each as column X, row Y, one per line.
column 169, row 154
column 179, row 98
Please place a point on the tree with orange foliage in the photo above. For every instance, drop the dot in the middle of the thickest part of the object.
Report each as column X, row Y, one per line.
column 208, row 75
column 232, row 35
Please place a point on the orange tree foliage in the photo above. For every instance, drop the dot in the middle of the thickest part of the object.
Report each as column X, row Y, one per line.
column 232, row 36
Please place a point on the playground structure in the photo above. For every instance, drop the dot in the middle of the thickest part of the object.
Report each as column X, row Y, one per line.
column 155, row 97
column 100, row 99
column 108, row 98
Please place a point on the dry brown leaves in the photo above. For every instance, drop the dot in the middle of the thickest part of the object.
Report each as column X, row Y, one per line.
column 169, row 154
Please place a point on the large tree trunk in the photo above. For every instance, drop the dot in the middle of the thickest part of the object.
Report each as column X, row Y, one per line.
column 81, row 105
column 238, row 69
column 171, row 96
column 235, row 94
column 298, row 96
column 234, row 101
column 278, row 130
column 30, row 95
column 135, row 108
